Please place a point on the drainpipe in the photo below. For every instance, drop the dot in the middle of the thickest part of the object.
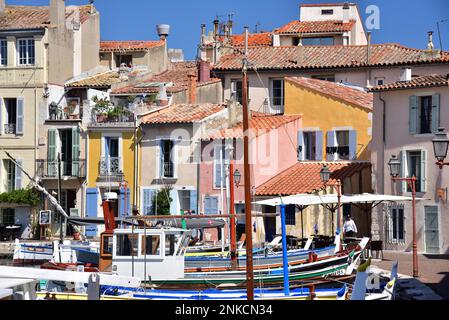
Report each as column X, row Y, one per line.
column 384, row 104
column 368, row 59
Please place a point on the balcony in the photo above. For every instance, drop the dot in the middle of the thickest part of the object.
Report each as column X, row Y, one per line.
column 69, row 113
column 110, row 166
column 10, row 128
column 49, row 169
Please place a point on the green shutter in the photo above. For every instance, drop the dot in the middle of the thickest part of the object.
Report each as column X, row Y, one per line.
column 51, row 153
column 413, row 122
column 403, row 159
column 435, row 113
column 423, row 171
column 75, row 152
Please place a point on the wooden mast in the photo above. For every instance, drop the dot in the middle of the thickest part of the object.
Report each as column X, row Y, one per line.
column 247, row 177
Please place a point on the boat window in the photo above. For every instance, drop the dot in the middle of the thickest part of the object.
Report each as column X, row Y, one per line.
column 170, row 244
column 127, row 245
column 107, row 245
column 151, row 245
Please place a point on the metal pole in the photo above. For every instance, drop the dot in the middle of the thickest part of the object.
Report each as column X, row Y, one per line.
column 284, row 251
column 247, row 179
column 61, row 232
column 222, row 197
column 339, row 216
column 232, row 219
column 415, row 247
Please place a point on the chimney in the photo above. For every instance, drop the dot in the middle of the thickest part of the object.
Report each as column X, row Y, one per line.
column 368, row 47
column 163, row 30
column 57, row 13
column 203, row 33
column 123, row 72
column 2, row 6
column 192, row 87
column 406, row 74
column 92, row 7
column 300, row 53
column 204, row 67
column 430, row 45
column 216, row 22
column 162, row 98
column 345, row 12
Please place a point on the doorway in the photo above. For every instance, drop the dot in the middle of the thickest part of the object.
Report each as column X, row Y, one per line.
column 432, row 232
column 66, row 152
column 269, row 223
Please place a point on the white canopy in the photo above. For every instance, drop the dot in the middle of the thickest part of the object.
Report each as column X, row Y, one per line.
column 310, row 199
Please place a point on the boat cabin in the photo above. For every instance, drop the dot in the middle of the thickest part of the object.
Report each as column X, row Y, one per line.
column 148, row 254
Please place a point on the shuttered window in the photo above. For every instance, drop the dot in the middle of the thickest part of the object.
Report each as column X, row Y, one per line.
column 424, row 114
column 396, row 224
column 210, row 205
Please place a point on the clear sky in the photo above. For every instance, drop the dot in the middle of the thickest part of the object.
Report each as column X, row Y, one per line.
column 402, row 21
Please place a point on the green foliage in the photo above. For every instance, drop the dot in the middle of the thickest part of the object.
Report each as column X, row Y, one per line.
column 161, row 201
column 150, row 99
column 22, row 196
column 102, row 106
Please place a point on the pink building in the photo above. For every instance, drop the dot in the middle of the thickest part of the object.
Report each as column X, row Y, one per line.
column 273, row 149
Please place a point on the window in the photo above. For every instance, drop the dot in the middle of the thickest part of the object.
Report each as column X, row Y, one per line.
column 111, row 161
column 26, row 52
column 127, row 59
column 237, row 91
column 3, row 52
column 9, row 175
column 166, row 162
column 11, row 116
column 310, row 146
column 379, row 81
column 170, row 242
column 8, row 216
column 211, row 205
column 327, row 12
column 414, row 168
column 343, row 145
column 318, row 41
column 151, row 245
column 127, row 245
column 396, row 224
column 290, row 215
column 424, row 114
column 277, row 94
column 330, row 77
column 107, row 244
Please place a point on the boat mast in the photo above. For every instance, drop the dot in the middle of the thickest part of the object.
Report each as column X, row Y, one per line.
column 247, row 177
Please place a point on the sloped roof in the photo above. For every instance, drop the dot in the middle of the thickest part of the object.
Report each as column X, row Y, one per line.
column 336, row 90
column 315, row 57
column 259, row 123
column 35, row 17
column 113, row 46
column 304, row 177
column 305, row 27
column 100, row 80
column 254, row 39
column 182, row 113
column 432, row 80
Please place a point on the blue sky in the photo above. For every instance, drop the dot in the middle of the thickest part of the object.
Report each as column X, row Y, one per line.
column 402, row 21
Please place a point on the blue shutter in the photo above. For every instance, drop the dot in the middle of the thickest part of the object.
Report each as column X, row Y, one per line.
column 423, row 171
column 19, row 116
column 210, row 205
column 122, row 211
column 51, row 153
column 319, row 146
column 148, row 195
column 301, row 146
column 330, row 156
column 18, row 177
column 91, row 210
column 75, row 152
column 193, row 201
column 352, row 145
column 435, row 113
column 413, row 115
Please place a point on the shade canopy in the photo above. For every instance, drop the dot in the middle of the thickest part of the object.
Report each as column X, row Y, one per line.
column 310, row 199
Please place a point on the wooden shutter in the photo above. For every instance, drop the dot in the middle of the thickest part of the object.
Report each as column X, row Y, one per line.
column 301, row 146
column 435, row 113
column 193, row 201
column 413, row 115
column 423, row 171
column 1, row 116
column 147, row 204
column 352, row 145
column 52, row 168
column 18, row 177
column 319, row 146
column 403, row 159
column 19, row 116
column 91, row 210
column 75, row 152
column 124, row 211
column 331, row 143
column 174, row 208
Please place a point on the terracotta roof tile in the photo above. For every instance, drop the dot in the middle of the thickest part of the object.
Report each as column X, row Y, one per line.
column 259, row 123
column 182, row 113
column 113, row 46
column 433, row 80
column 35, row 17
column 297, row 26
column 101, row 80
column 336, row 90
column 254, row 40
column 314, row 57
column 304, row 177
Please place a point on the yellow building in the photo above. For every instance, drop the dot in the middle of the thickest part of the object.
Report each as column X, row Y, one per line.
column 337, row 119
column 111, row 167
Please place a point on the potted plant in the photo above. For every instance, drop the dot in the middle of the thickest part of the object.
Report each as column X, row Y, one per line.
column 101, row 108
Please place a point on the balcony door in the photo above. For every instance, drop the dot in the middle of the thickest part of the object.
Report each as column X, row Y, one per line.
column 66, row 151
column 111, row 161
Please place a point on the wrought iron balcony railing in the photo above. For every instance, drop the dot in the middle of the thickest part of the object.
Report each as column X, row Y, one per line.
column 110, row 166
column 49, row 168
column 10, row 128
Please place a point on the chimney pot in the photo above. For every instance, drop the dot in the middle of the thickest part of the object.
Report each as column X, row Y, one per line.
column 192, row 87
column 204, row 67
column 346, row 12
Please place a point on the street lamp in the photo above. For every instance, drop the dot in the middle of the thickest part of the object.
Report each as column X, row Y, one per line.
column 237, row 177
column 325, row 175
column 395, row 167
column 440, row 147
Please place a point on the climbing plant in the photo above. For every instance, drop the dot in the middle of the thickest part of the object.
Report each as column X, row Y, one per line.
column 21, row 196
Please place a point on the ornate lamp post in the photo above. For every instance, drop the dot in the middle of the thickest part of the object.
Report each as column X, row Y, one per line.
column 325, row 175
column 237, row 177
column 440, row 147
column 395, row 168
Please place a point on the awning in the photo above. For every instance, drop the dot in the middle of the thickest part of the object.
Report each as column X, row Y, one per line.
column 310, row 199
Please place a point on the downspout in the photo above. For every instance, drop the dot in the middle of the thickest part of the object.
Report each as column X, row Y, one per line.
column 384, row 104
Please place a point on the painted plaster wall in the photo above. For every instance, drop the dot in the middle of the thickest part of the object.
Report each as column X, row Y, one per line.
column 397, row 139
column 326, row 113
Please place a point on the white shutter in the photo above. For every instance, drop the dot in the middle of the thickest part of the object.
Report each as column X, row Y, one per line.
column 19, row 116
column 18, row 177
column 331, row 142
column 1, row 116
column 404, row 169
column 158, row 161
column 352, row 145
column 319, row 146
column 301, row 147
column 174, row 205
